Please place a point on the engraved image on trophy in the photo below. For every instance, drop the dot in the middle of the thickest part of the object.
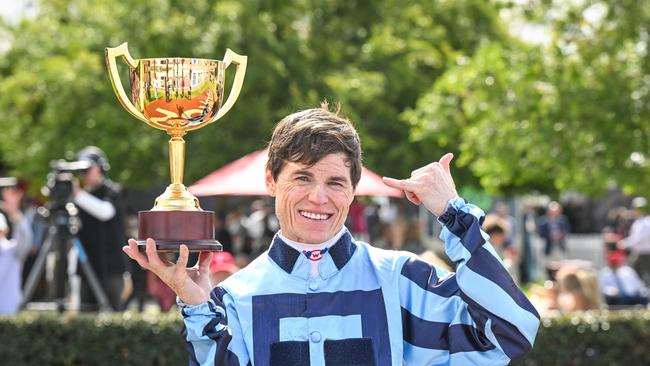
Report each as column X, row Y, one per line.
column 176, row 95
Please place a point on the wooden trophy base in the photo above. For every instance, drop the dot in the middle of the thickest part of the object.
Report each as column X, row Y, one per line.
column 170, row 229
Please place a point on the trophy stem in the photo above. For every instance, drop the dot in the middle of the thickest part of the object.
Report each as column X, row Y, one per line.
column 177, row 159
column 176, row 196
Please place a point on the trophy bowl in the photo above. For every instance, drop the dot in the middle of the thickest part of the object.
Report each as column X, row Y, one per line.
column 176, row 95
column 178, row 92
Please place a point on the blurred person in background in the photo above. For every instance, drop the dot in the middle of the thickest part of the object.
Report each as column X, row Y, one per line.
column 578, row 289
column 638, row 240
column 392, row 235
column 13, row 251
column 573, row 286
column 497, row 230
column 620, row 283
column 554, row 228
column 357, row 221
column 222, row 266
column 221, row 233
column 508, row 223
column 373, row 221
column 103, row 229
column 412, row 236
column 241, row 243
column 138, row 274
column 527, row 257
column 261, row 226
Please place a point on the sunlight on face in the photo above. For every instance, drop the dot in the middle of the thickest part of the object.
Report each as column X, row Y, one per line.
column 312, row 202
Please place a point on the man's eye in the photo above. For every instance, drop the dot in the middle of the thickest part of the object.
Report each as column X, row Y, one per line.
column 336, row 184
column 302, row 178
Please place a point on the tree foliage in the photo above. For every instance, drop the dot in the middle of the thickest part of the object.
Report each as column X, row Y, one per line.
column 417, row 78
column 569, row 114
column 374, row 58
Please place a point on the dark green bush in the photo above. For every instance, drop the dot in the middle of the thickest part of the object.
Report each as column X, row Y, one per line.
column 593, row 338
column 615, row 338
column 47, row 339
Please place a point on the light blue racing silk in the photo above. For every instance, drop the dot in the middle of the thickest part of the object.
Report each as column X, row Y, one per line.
column 368, row 307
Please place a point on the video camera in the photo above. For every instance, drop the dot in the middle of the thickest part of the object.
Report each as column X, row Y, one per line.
column 59, row 185
column 8, row 182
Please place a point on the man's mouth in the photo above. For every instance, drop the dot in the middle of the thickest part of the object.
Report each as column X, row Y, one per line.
column 315, row 216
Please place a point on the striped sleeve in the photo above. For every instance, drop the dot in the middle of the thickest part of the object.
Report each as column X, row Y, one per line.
column 477, row 315
column 212, row 332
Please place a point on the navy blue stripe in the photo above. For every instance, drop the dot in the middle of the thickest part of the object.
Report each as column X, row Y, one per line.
column 423, row 333
column 342, row 251
column 423, row 274
column 269, row 309
column 466, row 338
column 440, row 335
column 217, row 295
column 486, row 265
column 513, row 343
column 465, row 226
column 282, row 254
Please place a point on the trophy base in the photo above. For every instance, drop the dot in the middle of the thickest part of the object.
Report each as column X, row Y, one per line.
column 170, row 229
column 174, row 245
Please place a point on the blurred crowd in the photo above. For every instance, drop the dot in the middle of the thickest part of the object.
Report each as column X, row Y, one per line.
column 536, row 237
column 578, row 284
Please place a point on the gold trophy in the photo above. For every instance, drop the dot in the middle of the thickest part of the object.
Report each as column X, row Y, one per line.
column 176, row 95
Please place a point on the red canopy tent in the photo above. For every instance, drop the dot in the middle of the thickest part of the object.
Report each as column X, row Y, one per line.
column 245, row 176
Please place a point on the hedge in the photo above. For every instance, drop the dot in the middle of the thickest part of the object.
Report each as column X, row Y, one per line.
column 593, row 338
column 50, row 339
column 46, row 339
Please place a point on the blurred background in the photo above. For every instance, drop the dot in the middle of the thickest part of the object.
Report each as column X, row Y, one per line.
column 545, row 104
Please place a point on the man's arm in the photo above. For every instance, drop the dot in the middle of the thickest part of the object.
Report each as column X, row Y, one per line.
column 22, row 229
column 477, row 315
column 474, row 316
column 494, row 301
column 639, row 231
column 100, row 209
column 212, row 332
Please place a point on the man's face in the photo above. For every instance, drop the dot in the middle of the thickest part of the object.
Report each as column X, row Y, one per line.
column 312, row 202
column 93, row 176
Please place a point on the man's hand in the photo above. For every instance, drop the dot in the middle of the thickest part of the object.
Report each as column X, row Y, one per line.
column 430, row 185
column 76, row 186
column 192, row 285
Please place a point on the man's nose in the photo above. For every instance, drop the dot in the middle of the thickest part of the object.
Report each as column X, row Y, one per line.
column 317, row 194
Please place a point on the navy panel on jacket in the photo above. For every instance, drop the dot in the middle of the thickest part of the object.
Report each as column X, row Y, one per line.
column 269, row 309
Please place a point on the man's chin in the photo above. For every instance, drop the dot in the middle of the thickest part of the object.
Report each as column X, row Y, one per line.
column 316, row 238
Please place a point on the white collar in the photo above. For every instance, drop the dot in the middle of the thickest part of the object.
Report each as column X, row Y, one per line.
column 307, row 247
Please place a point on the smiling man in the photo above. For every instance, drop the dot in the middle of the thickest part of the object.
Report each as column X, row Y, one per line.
column 318, row 297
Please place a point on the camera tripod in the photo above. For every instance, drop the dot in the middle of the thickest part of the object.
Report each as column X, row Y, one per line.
column 63, row 225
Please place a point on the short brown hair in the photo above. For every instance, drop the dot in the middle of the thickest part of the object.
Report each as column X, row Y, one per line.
column 308, row 136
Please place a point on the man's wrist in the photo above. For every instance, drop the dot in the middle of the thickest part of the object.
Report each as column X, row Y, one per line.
column 446, row 207
column 451, row 209
column 206, row 308
column 181, row 302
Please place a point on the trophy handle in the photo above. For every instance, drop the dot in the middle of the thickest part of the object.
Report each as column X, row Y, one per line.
column 240, row 61
column 116, row 82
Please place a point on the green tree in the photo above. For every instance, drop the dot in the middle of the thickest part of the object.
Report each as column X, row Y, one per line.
column 375, row 58
column 569, row 114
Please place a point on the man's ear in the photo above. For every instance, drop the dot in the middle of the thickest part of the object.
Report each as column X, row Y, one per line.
column 270, row 183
